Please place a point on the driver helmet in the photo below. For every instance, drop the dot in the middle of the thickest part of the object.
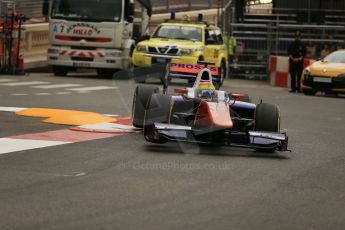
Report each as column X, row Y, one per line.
column 205, row 90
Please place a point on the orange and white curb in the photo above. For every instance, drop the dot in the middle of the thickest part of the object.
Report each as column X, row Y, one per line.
column 88, row 132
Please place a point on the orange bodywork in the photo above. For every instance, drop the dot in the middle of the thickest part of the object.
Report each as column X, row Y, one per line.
column 213, row 114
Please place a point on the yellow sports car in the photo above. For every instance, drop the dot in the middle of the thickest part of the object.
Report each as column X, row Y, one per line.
column 327, row 75
column 184, row 42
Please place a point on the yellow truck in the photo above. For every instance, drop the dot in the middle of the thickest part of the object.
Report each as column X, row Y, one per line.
column 185, row 42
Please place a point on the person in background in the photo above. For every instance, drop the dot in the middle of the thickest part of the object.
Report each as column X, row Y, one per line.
column 239, row 8
column 231, row 43
column 297, row 52
column 311, row 50
column 339, row 46
column 325, row 51
column 331, row 45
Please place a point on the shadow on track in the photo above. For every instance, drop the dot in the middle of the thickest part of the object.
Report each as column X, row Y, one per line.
column 174, row 148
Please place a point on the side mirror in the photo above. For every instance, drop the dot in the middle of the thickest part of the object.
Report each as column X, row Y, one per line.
column 130, row 19
column 45, row 8
column 143, row 38
column 130, row 10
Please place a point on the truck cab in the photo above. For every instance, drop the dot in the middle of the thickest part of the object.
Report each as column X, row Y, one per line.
column 183, row 41
column 90, row 34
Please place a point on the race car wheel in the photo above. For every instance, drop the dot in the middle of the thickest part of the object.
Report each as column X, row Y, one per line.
column 60, row 71
column 267, row 119
column 309, row 92
column 158, row 110
column 141, row 98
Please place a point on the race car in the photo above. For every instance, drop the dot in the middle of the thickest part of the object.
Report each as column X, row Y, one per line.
column 327, row 75
column 202, row 114
column 185, row 42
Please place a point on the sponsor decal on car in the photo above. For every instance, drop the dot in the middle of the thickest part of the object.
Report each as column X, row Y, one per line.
column 192, row 68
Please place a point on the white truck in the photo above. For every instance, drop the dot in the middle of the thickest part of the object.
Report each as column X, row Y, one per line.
column 95, row 34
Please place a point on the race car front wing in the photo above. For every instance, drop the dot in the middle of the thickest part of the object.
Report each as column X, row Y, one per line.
column 254, row 139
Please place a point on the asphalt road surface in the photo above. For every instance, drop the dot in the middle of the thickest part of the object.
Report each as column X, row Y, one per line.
column 123, row 182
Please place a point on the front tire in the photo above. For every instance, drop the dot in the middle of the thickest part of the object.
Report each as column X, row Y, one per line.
column 267, row 119
column 141, row 99
column 158, row 110
column 60, row 71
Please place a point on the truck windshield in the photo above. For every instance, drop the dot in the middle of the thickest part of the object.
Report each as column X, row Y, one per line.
column 179, row 32
column 87, row 10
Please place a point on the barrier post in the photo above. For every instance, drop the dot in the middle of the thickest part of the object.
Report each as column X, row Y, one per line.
column 11, row 61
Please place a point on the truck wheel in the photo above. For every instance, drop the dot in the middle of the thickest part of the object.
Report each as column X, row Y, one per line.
column 60, row 71
column 141, row 98
column 267, row 119
column 106, row 72
column 158, row 110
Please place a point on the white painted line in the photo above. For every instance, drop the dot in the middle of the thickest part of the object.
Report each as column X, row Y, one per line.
column 25, row 83
column 6, row 80
column 57, row 86
column 64, row 93
column 9, row 145
column 42, row 94
column 111, row 115
column 19, row 94
column 94, row 88
column 11, row 109
column 108, row 127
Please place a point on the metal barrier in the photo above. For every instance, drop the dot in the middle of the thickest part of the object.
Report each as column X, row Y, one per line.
column 262, row 40
column 11, row 60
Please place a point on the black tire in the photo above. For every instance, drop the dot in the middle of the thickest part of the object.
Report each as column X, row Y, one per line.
column 267, row 119
column 308, row 92
column 60, row 71
column 223, row 74
column 106, row 72
column 141, row 99
column 158, row 110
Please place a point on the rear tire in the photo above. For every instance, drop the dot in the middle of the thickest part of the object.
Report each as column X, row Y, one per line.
column 267, row 119
column 60, row 71
column 158, row 110
column 141, row 99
